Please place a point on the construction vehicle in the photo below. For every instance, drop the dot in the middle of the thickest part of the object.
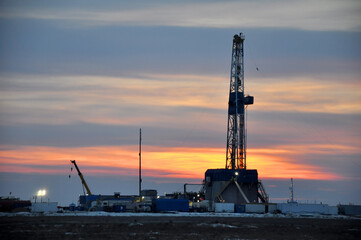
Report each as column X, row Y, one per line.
column 85, row 185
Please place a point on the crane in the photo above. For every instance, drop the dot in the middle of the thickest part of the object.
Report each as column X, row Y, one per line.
column 85, row 185
column 236, row 129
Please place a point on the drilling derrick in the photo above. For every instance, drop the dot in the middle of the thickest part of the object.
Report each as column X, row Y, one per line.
column 235, row 183
column 236, row 131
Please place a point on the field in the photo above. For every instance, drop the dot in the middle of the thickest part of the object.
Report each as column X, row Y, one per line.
column 176, row 227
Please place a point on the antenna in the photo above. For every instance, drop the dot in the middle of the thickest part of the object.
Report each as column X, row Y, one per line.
column 291, row 192
column 140, row 162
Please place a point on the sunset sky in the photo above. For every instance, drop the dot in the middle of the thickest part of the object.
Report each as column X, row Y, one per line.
column 78, row 80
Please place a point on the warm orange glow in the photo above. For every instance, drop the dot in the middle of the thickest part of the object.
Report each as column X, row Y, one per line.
column 306, row 95
column 278, row 167
column 282, row 162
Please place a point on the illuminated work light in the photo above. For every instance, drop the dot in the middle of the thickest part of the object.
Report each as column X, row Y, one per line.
column 41, row 193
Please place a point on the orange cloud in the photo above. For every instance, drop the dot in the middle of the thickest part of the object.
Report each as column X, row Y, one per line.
column 157, row 161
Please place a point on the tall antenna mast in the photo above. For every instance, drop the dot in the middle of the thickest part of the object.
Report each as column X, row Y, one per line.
column 291, row 191
column 236, row 129
column 140, row 162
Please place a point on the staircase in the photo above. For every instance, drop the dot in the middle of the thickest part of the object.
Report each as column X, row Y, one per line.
column 262, row 195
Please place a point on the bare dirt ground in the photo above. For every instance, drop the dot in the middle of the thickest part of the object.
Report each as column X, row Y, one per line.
column 96, row 227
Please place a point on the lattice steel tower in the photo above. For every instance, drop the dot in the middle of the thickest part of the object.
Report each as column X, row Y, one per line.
column 236, row 129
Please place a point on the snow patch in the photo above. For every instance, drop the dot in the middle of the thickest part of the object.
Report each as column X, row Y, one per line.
column 135, row 224
column 215, row 225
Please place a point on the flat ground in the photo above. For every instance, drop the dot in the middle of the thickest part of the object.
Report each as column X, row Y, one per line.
column 167, row 227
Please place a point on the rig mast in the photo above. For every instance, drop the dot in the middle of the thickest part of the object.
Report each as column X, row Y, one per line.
column 140, row 162
column 236, row 130
column 235, row 184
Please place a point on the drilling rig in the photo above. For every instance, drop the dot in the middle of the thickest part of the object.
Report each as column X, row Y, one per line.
column 235, row 183
column 236, row 130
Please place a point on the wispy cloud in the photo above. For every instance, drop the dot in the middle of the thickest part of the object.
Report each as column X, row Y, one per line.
column 153, row 98
column 62, row 100
column 306, row 94
column 307, row 15
column 165, row 161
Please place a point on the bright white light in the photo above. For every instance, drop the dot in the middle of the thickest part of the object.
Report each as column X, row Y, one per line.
column 41, row 193
column 236, row 173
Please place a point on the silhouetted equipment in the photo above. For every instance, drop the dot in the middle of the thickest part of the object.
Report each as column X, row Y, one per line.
column 236, row 129
column 235, row 184
column 12, row 204
column 291, row 200
column 201, row 192
column 85, row 185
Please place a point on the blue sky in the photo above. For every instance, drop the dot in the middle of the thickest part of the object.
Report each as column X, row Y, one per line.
column 85, row 76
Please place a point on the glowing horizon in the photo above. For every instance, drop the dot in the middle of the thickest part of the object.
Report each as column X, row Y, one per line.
column 158, row 161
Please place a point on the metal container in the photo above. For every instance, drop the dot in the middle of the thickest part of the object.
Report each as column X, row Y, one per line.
column 8, row 205
column 332, row 210
column 271, row 208
column 353, row 210
column 44, row 207
column 255, row 208
column 239, row 208
column 119, row 208
column 224, row 207
column 303, row 208
column 167, row 205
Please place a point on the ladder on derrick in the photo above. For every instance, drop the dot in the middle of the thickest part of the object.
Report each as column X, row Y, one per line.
column 262, row 194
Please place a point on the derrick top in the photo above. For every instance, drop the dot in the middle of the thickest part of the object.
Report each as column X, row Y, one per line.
column 238, row 38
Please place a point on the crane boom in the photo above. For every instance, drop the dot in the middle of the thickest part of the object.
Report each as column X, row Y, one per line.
column 81, row 177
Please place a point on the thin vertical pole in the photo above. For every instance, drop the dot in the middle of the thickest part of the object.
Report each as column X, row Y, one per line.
column 291, row 190
column 140, row 162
